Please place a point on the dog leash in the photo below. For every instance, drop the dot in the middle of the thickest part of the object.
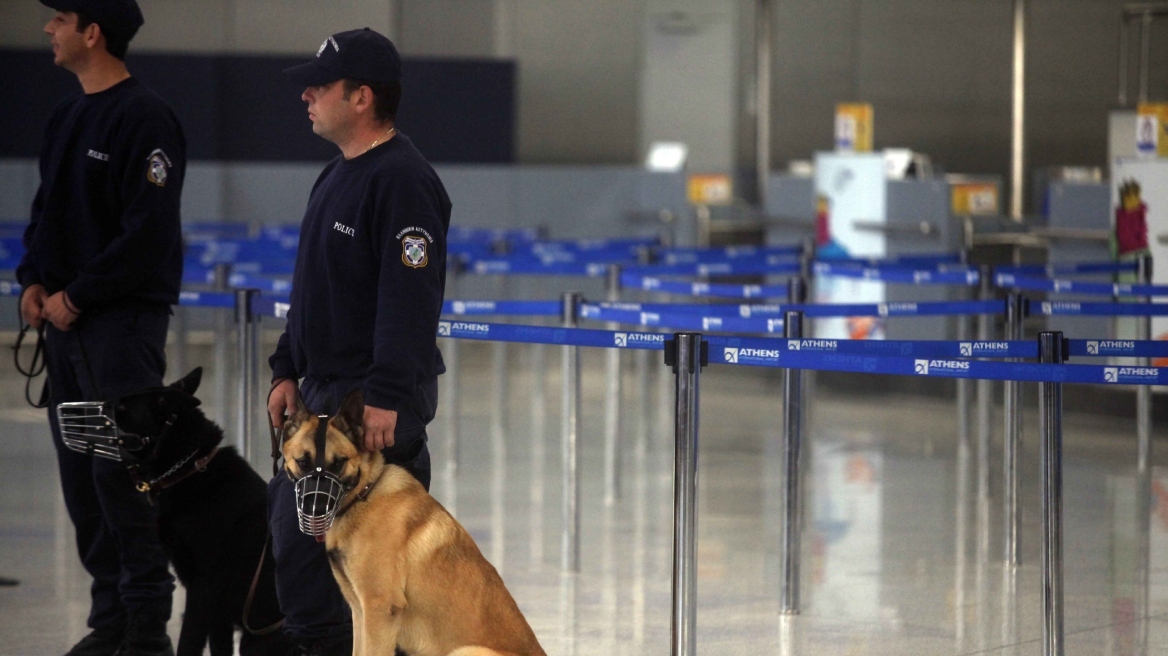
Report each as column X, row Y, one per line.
column 36, row 367
column 247, row 603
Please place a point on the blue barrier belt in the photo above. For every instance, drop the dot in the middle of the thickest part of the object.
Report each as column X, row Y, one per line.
column 652, row 283
column 535, row 267
column 548, row 335
column 904, row 275
column 1032, row 283
column 683, row 321
column 587, row 245
column 727, row 268
column 734, row 351
column 920, row 261
column 504, row 308
column 940, row 367
column 1052, row 270
column 733, row 251
column 754, row 323
column 269, row 306
column 207, row 299
column 1075, row 308
column 270, row 285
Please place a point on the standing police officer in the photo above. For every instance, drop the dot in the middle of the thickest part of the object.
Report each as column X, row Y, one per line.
column 102, row 268
column 366, row 295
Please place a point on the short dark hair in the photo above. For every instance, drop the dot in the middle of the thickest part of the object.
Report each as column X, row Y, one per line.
column 115, row 44
column 386, row 97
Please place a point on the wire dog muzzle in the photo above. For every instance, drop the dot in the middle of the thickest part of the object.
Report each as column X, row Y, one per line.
column 90, row 427
column 319, row 492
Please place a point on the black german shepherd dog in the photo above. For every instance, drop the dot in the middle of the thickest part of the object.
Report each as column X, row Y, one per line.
column 212, row 519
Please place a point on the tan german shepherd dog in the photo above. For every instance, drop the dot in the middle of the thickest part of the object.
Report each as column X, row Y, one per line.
column 411, row 573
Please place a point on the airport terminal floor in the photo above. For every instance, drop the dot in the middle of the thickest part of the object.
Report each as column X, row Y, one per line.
column 902, row 550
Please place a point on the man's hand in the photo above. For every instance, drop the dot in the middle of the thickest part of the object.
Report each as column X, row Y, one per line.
column 59, row 311
column 32, row 305
column 379, row 427
column 281, row 397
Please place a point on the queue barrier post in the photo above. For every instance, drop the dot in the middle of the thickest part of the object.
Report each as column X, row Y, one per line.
column 570, row 432
column 1012, row 408
column 686, row 354
column 1052, row 350
column 612, row 399
column 221, row 283
column 1144, row 458
column 984, row 407
column 792, row 529
column 247, row 322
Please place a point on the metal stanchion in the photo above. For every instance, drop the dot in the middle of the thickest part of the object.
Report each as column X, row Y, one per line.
column 450, row 354
column 612, row 399
column 222, row 341
column 247, row 333
column 984, row 397
column 1144, row 392
column 179, row 323
column 792, row 448
column 1144, row 461
column 498, row 391
column 1052, row 350
column 686, row 355
column 570, row 431
column 1012, row 406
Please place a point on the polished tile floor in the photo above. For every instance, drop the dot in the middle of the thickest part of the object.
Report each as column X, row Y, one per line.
column 901, row 553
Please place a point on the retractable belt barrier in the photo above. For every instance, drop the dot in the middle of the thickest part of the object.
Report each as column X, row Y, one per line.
column 1063, row 308
column 1057, row 285
column 613, row 312
column 1082, row 268
column 942, row 275
column 928, row 359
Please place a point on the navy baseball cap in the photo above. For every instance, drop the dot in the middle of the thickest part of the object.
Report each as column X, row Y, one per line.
column 121, row 17
column 355, row 55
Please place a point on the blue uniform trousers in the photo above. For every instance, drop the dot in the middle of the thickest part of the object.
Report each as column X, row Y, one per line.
column 310, row 599
column 117, row 532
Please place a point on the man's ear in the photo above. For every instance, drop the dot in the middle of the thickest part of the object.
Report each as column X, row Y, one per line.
column 350, row 419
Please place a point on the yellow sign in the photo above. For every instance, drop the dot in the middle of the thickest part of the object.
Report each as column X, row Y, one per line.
column 1152, row 129
column 710, row 189
column 853, row 127
column 974, row 198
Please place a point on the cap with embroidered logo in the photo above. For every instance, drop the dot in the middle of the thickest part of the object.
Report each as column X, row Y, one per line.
column 355, row 55
column 121, row 17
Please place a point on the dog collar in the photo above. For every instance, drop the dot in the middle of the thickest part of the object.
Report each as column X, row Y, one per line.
column 162, row 482
column 363, row 495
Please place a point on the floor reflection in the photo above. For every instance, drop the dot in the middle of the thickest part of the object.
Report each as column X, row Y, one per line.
column 902, row 554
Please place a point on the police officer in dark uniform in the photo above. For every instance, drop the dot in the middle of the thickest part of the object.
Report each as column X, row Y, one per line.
column 366, row 295
column 102, row 267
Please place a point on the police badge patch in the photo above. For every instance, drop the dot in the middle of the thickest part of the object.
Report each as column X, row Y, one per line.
column 414, row 252
column 157, row 168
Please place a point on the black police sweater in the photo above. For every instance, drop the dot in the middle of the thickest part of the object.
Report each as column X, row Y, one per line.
column 105, row 220
column 369, row 278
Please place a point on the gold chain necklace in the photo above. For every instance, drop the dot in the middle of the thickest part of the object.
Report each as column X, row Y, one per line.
column 378, row 140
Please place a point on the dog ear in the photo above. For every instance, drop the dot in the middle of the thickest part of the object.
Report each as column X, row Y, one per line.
column 172, row 401
column 300, row 414
column 190, row 382
column 351, row 416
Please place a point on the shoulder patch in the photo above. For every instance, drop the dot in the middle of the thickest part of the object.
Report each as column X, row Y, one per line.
column 157, row 166
column 414, row 252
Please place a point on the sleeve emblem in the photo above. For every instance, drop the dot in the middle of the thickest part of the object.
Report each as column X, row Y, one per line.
column 414, row 252
column 156, row 170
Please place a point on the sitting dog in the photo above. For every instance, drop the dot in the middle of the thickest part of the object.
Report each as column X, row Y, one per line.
column 411, row 573
column 212, row 520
